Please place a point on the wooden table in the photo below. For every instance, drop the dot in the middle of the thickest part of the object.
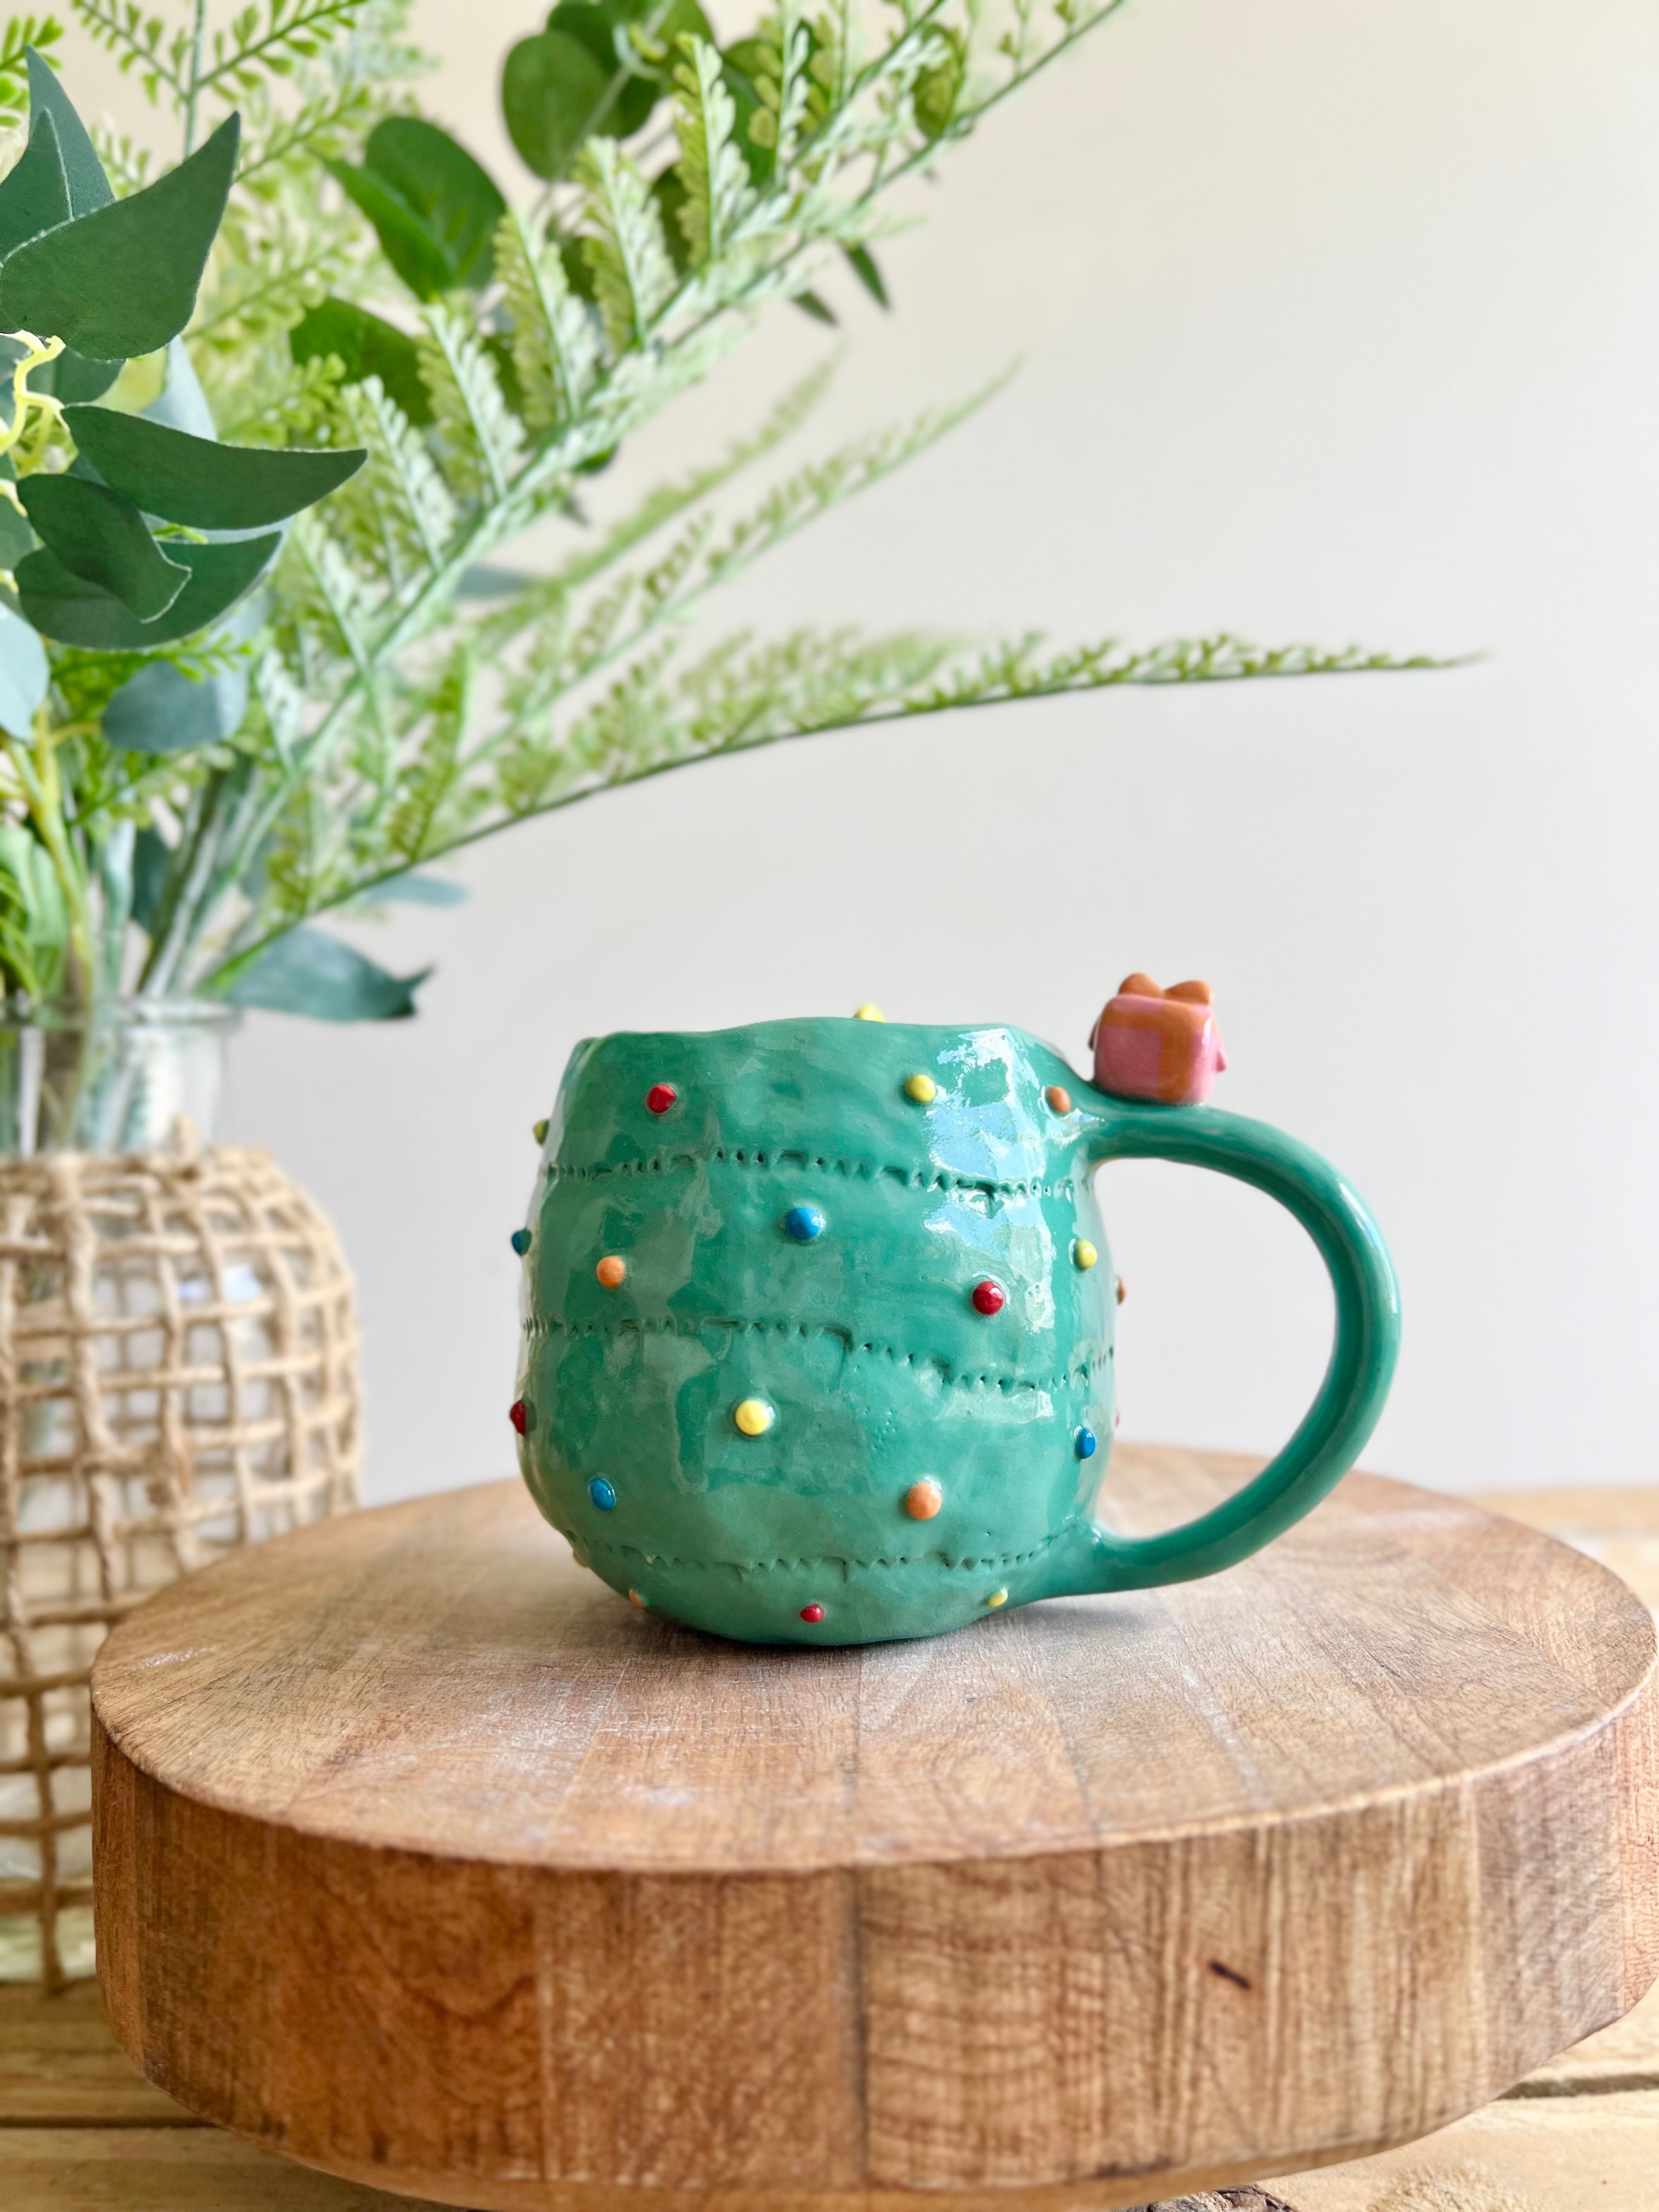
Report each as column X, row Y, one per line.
column 79, row 2130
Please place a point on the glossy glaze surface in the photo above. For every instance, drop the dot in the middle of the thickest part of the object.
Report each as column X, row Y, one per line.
column 878, row 1343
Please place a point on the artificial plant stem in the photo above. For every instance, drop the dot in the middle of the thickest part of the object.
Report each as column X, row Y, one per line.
column 36, row 770
column 178, row 896
column 193, row 82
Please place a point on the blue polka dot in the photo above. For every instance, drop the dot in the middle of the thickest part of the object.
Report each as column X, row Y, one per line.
column 521, row 1242
column 804, row 1223
column 1083, row 1443
column 602, row 1494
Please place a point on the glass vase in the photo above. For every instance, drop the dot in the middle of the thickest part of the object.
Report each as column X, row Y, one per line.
column 114, row 1077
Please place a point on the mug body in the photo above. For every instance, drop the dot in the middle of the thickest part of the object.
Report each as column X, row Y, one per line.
column 818, row 1339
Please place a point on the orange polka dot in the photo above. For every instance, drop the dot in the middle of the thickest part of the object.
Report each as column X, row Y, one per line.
column 611, row 1271
column 923, row 1499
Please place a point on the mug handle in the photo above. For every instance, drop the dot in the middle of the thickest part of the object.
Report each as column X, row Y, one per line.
column 1333, row 1431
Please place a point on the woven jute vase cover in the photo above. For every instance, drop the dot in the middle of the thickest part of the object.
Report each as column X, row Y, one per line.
column 178, row 1375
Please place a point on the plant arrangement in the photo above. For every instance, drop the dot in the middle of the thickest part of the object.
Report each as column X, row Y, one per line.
column 279, row 406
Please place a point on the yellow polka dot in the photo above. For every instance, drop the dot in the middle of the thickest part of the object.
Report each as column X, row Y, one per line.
column 1084, row 1253
column 869, row 1013
column 921, row 1088
column 997, row 1598
column 754, row 1417
column 538, row 1131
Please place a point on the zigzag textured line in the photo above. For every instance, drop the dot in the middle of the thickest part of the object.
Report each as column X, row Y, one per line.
column 863, row 1171
column 544, row 1325
column 967, row 1566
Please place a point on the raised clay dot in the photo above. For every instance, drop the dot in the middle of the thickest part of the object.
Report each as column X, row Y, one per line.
column 869, row 1013
column 1059, row 1098
column 613, row 1271
column 921, row 1088
column 602, row 1494
column 997, row 1597
column 753, row 1416
column 519, row 1414
column 660, row 1097
column 634, row 1598
column 1084, row 1253
column 1122, row 1289
column 1083, row 1443
column 923, row 1499
column 521, row 1241
column 538, row 1131
column 803, row 1223
column 988, row 1297
column 812, row 1612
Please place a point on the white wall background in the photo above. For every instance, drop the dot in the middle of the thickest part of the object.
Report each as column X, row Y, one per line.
column 1338, row 324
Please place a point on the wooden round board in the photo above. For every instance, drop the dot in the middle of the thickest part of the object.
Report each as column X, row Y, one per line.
column 423, row 1858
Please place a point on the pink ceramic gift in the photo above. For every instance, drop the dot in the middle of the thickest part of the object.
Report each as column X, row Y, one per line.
column 1159, row 1045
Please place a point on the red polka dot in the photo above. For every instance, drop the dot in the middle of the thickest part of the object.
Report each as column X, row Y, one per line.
column 660, row 1097
column 989, row 1298
column 519, row 1413
column 811, row 1612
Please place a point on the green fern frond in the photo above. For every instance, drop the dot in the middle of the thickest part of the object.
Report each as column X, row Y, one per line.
column 17, row 35
column 718, row 194
column 396, row 512
column 271, row 43
column 554, row 355
column 478, row 436
column 142, row 45
column 623, row 247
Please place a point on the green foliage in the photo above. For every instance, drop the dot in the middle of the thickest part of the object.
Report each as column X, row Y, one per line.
column 319, row 712
column 122, row 280
column 197, row 480
column 434, row 209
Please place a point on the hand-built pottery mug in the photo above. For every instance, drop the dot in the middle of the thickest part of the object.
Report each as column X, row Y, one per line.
column 818, row 1346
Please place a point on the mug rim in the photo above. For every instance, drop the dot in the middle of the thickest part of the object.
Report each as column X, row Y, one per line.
column 825, row 1021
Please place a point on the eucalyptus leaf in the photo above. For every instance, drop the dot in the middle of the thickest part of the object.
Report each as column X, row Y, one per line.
column 62, row 606
column 34, row 196
column 123, row 280
column 453, row 195
column 309, row 972
column 404, row 238
column 197, row 480
column 161, row 710
column 89, row 189
column 552, row 91
column 100, row 537
column 601, row 27
column 364, row 345
column 152, row 856
column 24, row 674
column 433, row 208
column 16, row 538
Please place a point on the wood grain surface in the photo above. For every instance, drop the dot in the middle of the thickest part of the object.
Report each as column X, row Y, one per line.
column 424, row 1861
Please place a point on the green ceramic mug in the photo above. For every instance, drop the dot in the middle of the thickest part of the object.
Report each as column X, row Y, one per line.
column 818, row 1342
